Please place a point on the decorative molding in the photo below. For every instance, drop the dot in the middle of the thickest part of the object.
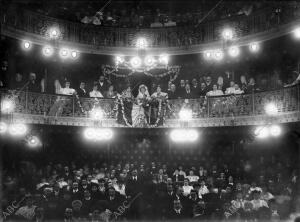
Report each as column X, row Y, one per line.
column 174, row 123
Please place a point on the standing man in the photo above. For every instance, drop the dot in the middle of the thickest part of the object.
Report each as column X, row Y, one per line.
column 132, row 189
column 103, row 85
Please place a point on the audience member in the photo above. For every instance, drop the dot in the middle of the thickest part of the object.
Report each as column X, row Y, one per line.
column 95, row 93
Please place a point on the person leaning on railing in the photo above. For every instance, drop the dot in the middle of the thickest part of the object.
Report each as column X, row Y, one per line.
column 215, row 91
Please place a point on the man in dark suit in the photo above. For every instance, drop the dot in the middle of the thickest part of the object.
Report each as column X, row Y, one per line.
column 189, row 94
column 75, row 192
column 101, row 190
column 209, row 84
column 199, row 212
column 203, row 90
column 103, row 85
column 181, row 89
column 195, row 87
column 134, row 185
column 172, row 94
column 87, row 203
column 67, row 175
column 81, row 92
column 167, row 200
column 84, row 185
column 133, row 189
column 177, row 212
column 114, row 199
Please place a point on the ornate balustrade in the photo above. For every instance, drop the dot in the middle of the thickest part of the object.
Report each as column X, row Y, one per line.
column 246, row 109
column 17, row 23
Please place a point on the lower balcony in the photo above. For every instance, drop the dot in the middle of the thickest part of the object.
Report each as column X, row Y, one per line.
column 230, row 110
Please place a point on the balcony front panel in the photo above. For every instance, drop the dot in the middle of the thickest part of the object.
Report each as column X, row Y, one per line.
column 230, row 110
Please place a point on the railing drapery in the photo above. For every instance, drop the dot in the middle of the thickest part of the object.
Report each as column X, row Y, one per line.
column 286, row 100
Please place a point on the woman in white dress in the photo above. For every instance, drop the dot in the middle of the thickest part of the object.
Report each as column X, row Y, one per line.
column 138, row 109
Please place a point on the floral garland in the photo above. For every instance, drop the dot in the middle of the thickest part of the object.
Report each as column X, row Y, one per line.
column 158, row 116
column 122, row 110
column 111, row 70
column 79, row 104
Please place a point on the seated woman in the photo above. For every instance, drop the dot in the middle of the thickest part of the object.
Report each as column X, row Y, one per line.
column 158, row 104
column 95, row 93
column 140, row 107
column 215, row 91
column 111, row 93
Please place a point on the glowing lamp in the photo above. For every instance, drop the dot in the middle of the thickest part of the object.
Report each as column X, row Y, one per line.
column 17, row 129
column 254, row 47
column 164, row 59
column 149, row 61
column 26, row 45
column 54, row 33
column 271, row 109
column 184, row 135
column 185, row 114
column 208, row 55
column 119, row 60
column 74, row 54
column 48, row 51
column 234, row 51
column 3, row 127
column 297, row 33
column 218, row 55
column 97, row 114
column 275, row 130
column 227, row 34
column 141, row 43
column 7, row 106
column 261, row 132
column 135, row 62
column 64, row 53
column 33, row 141
column 98, row 134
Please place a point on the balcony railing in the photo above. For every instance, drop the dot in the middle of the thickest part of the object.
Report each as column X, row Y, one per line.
column 249, row 109
column 261, row 21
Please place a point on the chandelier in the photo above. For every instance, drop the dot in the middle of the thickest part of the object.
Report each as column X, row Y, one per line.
column 142, row 63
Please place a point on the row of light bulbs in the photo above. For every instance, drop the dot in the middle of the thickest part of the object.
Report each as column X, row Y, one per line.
column 233, row 51
column 48, row 51
column 20, row 130
column 148, row 61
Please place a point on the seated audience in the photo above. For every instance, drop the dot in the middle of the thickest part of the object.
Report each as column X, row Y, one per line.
column 103, row 85
column 215, row 91
column 95, row 93
column 172, row 94
column 202, row 90
column 33, row 85
column 81, row 91
column 188, row 94
column 111, row 93
column 231, row 88
column 181, row 91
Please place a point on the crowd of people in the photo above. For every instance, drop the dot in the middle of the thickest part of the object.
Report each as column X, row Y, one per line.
column 230, row 186
column 174, row 89
column 144, row 16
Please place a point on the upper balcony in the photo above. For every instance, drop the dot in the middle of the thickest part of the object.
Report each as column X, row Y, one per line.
column 232, row 110
column 262, row 25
